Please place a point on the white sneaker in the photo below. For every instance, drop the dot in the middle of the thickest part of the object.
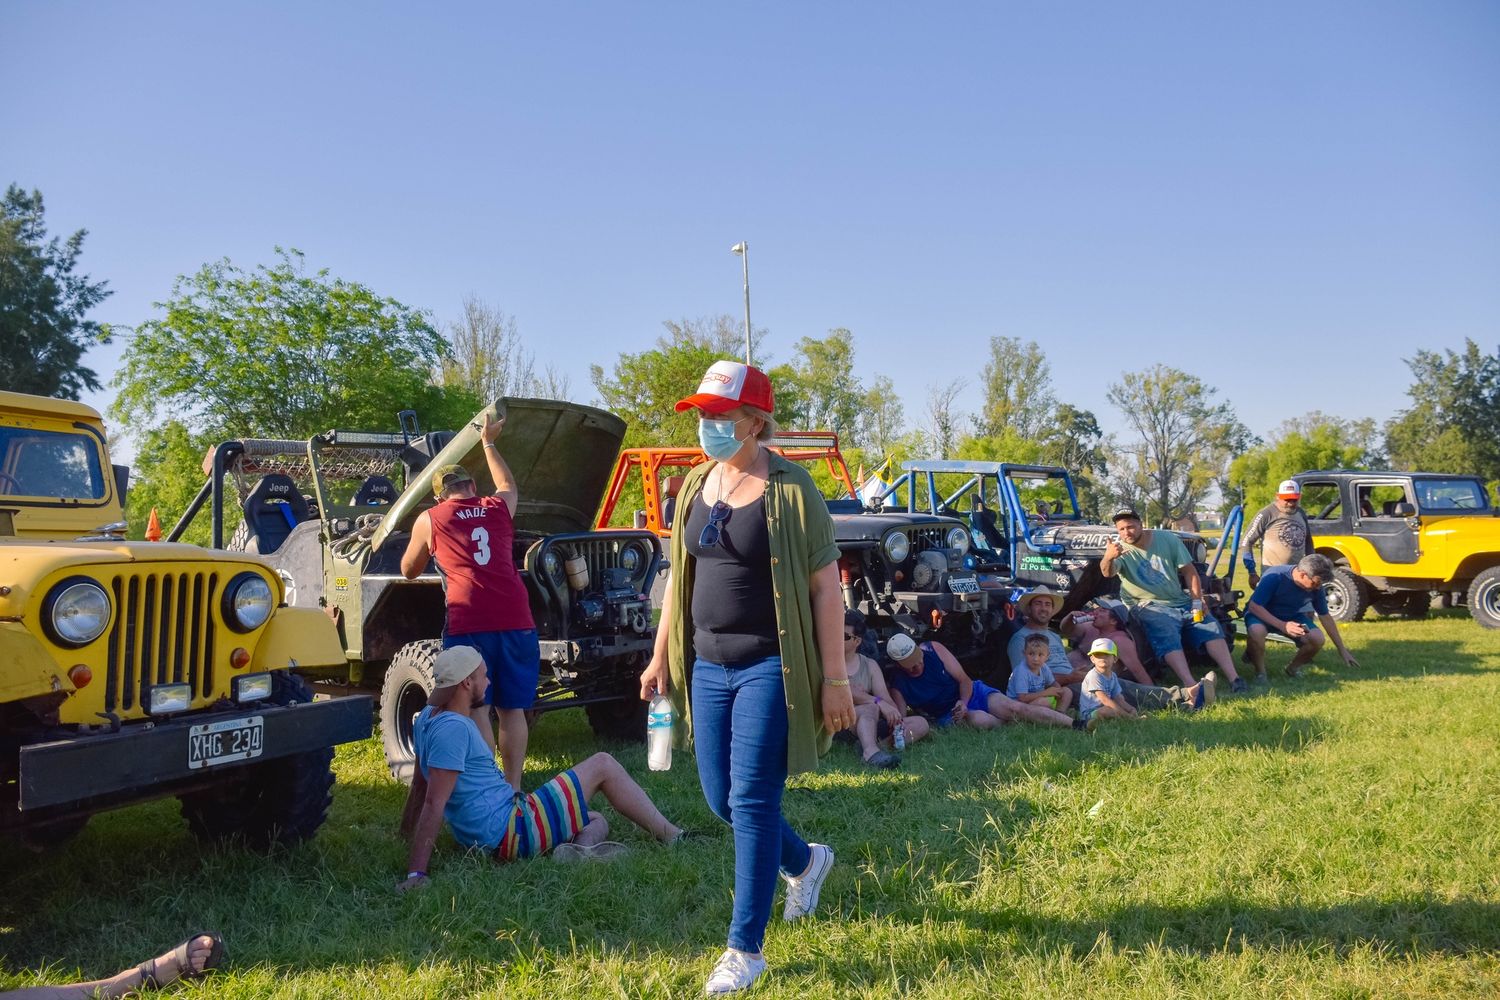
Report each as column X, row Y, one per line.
column 734, row 971
column 802, row 891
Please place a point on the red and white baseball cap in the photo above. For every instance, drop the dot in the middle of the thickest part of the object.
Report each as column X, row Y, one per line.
column 728, row 384
column 1288, row 490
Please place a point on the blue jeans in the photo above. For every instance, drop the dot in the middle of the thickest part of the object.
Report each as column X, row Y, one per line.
column 739, row 735
column 1166, row 628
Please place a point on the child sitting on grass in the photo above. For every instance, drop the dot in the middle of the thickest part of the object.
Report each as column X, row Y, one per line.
column 930, row 680
column 1106, row 696
column 1033, row 683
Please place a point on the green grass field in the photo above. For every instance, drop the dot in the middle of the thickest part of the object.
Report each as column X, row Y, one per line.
column 1336, row 837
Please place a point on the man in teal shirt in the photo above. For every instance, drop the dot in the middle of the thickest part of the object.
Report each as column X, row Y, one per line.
column 1147, row 563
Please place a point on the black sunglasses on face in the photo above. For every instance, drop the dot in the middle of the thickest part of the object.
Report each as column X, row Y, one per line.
column 713, row 531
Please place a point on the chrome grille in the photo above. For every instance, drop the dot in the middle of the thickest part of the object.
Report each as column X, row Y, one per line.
column 163, row 633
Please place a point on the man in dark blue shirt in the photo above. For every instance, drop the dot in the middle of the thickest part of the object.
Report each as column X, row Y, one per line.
column 1285, row 601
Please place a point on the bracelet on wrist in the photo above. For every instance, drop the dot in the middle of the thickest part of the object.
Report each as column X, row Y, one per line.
column 836, row 682
column 490, row 444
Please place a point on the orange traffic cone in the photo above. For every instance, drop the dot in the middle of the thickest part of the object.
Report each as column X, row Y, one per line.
column 153, row 527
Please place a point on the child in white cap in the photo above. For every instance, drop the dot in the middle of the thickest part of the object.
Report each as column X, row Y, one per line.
column 1106, row 696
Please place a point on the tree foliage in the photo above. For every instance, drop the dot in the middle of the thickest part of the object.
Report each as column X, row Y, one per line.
column 1074, row 441
column 1453, row 424
column 1184, row 445
column 1017, row 384
column 644, row 387
column 945, row 425
column 278, row 352
column 272, row 353
column 1316, row 441
column 43, row 303
column 883, row 417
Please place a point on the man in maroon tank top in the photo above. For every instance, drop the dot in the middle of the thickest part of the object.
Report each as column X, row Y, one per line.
column 469, row 537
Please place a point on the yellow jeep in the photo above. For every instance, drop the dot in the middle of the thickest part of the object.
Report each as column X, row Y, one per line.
column 1396, row 537
column 134, row 670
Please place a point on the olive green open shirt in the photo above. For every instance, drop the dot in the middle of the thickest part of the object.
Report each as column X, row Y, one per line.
column 801, row 534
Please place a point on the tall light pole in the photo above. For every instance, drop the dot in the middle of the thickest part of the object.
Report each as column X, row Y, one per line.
column 743, row 249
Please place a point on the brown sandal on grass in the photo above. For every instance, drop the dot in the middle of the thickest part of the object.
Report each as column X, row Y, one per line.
column 181, row 955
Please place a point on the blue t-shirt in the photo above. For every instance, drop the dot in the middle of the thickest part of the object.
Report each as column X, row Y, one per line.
column 1279, row 594
column 1057, row 654
column 931, row 692
column 1023, row 681
column 482, row 800
column 1097, row 681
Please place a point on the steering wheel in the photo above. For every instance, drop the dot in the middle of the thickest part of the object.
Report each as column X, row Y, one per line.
column 8, row 484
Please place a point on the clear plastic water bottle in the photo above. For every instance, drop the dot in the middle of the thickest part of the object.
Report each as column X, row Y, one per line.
column 898, row 736
column 659, row 734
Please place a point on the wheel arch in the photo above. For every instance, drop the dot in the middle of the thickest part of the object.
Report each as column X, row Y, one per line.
column 1474, row 564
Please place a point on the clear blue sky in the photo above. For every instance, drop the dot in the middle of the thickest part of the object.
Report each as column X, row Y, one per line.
column 1283, row 198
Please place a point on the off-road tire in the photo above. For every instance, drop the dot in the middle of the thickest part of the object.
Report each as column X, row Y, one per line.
column 1484, row 598
column 623, row 719
column 408, row 683
column 1345, row 594
column 281, row 802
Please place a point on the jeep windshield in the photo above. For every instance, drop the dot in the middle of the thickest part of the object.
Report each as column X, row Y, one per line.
column 1451, row 494
column 60, row 465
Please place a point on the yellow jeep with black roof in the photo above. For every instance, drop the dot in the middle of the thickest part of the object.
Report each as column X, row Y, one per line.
column 135, row 670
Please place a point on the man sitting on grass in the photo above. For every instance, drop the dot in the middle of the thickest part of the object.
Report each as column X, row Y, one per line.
column 456, row 778
column 1106, row 696
column 930, row 680
column 1284, row 602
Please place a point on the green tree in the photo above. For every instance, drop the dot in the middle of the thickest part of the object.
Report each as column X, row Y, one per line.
column 1074, row 441
column 488, row 358
column 1315, row 441
column 1453, row 424
column 274, row 352
column 821, row 388
column 169, row 473
column 43, row 303
column 884, row 417
column 1185, row 441
column 1017, row 384
column 945, row 425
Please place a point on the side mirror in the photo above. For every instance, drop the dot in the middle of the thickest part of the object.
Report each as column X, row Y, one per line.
column 122, row 482
column 1404, row 510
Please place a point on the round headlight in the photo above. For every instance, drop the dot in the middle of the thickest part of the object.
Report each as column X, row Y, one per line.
column 77, row 612
column 958, row 538
column 248, row 602
column 552, row 566
column 630, row 558
column 897, row 546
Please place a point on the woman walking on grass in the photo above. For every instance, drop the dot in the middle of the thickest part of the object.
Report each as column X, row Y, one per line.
column 750, row 650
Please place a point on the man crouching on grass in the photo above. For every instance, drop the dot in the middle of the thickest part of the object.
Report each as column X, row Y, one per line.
column 456, row 778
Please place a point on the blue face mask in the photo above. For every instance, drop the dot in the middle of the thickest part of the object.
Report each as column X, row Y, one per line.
column 718, row 440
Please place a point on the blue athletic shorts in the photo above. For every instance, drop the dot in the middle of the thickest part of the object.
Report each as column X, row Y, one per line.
column 1312, row 626
column 514, row 659
column 979, row 701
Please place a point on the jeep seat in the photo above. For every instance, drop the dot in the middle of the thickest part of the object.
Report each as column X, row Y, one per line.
column 376, row 491
column 272, row 509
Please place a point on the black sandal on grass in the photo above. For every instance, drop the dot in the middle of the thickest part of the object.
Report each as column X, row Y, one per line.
column 185, row 969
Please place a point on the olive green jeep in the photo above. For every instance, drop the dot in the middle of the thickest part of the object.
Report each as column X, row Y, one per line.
column 1396, row 538
column 332, row 515
column 135, row 670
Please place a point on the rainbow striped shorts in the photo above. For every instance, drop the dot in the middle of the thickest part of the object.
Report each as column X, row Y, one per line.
column 551, row 815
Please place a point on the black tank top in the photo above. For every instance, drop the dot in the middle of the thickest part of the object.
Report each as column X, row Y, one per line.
column 734, row 608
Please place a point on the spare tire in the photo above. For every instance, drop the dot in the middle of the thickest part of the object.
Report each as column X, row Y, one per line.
column 408, row 683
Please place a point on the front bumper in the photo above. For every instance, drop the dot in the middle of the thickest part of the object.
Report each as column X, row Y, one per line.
column 146, row 760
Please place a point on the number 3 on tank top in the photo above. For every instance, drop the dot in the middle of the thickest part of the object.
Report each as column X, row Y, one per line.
column 481, row 538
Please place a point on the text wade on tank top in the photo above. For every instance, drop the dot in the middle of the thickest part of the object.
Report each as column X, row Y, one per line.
column 471, row 541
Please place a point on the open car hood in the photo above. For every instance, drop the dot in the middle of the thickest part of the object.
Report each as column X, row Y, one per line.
column 560, row 453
